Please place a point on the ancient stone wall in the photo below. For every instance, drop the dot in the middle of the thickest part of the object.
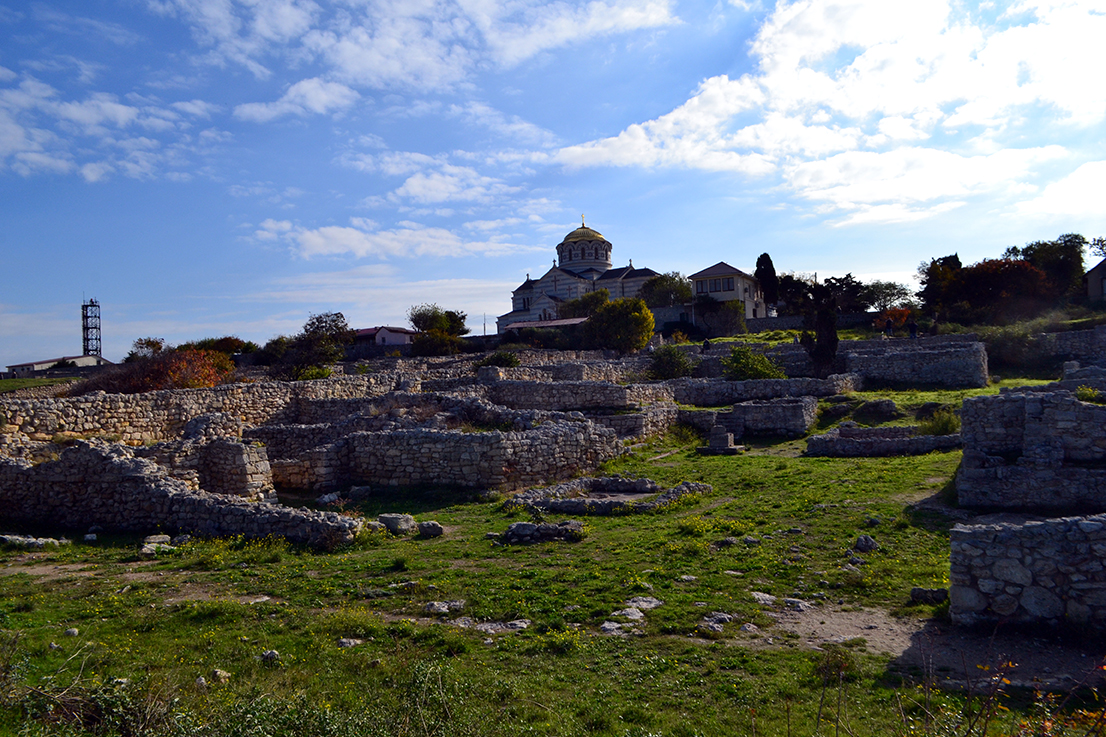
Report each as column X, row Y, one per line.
column 651, row 421
column 853, row 442
column 1035, row 451
column 482, row 459
column 719, row 392
column 162, row 415
column 576, row 395
column 94, row 483
column 1044, row 570
column 952, row 365
column 789, row 416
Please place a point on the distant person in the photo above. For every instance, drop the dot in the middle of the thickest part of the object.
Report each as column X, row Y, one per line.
column 889, row 328
column 706, row 346
column 913, row 327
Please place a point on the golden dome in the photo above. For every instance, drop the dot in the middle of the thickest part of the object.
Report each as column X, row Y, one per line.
column 584, row 233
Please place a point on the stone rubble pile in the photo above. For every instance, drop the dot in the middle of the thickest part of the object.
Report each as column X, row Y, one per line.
column 592, row 496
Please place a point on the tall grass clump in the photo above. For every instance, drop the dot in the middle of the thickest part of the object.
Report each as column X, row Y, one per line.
column 943, row 422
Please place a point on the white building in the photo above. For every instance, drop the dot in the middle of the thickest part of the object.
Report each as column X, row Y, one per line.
column 21, row 369
column 725, row 284
column 583, row 265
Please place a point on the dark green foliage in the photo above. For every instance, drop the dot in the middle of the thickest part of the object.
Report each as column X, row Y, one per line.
column 503, row 359
column 666, row 290
column 584, row 306
column 850, row 294
column 669, row 362
column 228, row 344
column 885, row 295
column 744, row 363
column 436, row 343
column 721, row 319
column 427, row 317
column 1061, row 260
column 145, row 348
column 624, row 325
column 323, row 341
column 765, row 273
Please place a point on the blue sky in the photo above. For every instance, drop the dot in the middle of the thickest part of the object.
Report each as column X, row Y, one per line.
column 211, row 167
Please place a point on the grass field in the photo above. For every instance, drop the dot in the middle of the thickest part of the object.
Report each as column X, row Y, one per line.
column 146, row 630
column 9, row 385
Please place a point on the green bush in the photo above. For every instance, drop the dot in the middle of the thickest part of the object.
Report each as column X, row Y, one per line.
column 308, row 373
column 503, row 359
column 435, row 343
column 1083, row 394
column 943, row 422
column 744, row 363
column 669, row 362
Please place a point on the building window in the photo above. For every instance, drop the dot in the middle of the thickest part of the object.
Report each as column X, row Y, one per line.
column 701, row 287
column 716, row 285
column 727, row 284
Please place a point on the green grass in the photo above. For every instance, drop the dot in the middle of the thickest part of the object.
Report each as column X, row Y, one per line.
column 221, row 603
column 10, row 385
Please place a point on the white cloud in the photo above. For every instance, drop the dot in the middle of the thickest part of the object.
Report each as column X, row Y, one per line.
column 408, row 240
column 948, row 104
column 196, row 108
column 1078, row 194
column 304, row 97
column 512, row 127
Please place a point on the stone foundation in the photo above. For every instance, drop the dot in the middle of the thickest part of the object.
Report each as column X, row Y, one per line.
column 95, row 483
column 1045, row 570
column 869, row 442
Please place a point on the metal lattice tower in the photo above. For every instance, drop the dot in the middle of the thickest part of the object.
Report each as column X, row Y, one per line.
column 90, row 327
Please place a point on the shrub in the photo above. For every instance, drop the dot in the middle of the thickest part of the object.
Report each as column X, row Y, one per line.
column 744, row 363
column 503, row 359
column 173, row 369
column 435, row 343
column 943, row 422
column 1090, row 394
column 624, row 324
column 309, row 373
column 669, row 362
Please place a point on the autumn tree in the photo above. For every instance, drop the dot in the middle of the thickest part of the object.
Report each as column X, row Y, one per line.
column 427, row 317
column 1061, row 260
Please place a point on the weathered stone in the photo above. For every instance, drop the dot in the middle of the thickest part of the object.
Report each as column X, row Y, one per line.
column 1012, row 571
column 430, row 529
column 398, row 524
column 865, row 544
column 1041, row 603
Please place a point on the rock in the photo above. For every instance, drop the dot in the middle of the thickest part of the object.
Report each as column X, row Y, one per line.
column 345, row 642
column 928, row 596
column 798, row 605
column 201, row 683
column 54, row 646
column 220, row 676
column 1004, row 605
column 611, row 628
column 328, row 498
column 518, row 624
column 151, row 551
column 964, row 598
column 762, row 598
column 444, row 607
column 181, row 540
column 727, row 542
column 749, row 627
column 90, row 537
column 644, row 602
column 718, row 618
column 156, row 540
column 491, row 535
column 398, row 524
column 750, row 540
column 688, row 578
column 1011, row 571
column 1042, row 603
column 270, row 656
column 865, row 544
column 711, row 627
column 629, row 613
column 430, row 529
column 72, row 632
column 374, row 526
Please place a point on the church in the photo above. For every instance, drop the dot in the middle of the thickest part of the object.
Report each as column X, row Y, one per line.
column 583, row 265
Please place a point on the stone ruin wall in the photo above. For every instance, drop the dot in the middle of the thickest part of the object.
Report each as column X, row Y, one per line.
column 874, row 442
column 719, row 392
column 1043, row 570
column 94, row 483
column 788, row 416
column 219, row 466
column 1032, row 452
column 162, row 415
column 576, row 395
